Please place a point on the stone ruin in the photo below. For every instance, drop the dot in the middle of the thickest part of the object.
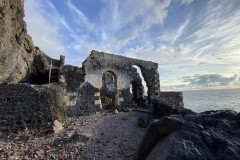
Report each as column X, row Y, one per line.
column 104, row 81
column 108, row 76
column 35, row 88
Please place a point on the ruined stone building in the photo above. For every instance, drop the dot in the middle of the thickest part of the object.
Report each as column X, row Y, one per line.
column 35, row 88
column 119, row 75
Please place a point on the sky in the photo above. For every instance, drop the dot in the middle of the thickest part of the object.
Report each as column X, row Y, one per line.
column 195, row 42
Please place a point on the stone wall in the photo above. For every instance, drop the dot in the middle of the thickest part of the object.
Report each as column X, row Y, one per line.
column 24, row 105
column 172, row 98
column 87, row 101
column 122, row 68
column 74, row 77
column 163, row 108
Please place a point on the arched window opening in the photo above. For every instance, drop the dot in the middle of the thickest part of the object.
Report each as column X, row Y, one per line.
column 139, row 87
column 108, row 90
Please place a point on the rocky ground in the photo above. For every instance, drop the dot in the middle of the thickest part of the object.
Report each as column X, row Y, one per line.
column 98, row 136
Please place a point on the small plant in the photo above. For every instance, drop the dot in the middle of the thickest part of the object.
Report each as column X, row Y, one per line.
column 54, row 96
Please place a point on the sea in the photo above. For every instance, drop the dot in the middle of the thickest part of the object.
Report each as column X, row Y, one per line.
column 219, row 99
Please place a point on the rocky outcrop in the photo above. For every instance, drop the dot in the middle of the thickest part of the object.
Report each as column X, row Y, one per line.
column 211, row 135
column 17, row 52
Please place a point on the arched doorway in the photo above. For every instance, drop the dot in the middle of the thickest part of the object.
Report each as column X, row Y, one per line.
column 139, row 88
column 108, row 92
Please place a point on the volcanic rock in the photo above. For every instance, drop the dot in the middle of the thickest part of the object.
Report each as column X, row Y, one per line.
column 17, row 52
column 211, row 135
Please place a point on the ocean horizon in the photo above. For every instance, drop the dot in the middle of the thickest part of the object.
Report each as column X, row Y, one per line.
column 215, row 99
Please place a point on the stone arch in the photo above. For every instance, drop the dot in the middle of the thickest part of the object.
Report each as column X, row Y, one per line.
column 114, row 74
column 115, row 83
column 98, row 63
column 144, row 78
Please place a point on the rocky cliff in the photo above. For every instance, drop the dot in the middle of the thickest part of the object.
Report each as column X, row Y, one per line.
column 18, row 56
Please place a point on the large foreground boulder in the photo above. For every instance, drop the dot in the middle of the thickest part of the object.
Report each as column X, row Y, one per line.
column 211, row 135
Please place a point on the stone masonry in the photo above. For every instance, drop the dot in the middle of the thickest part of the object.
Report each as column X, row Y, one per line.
column 28, row 106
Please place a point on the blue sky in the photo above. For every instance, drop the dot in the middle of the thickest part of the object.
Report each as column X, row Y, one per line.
column 195, row 42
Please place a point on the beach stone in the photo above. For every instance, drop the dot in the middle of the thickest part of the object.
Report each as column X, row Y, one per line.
column 57, row 126
column 115, row 111
column 210, row 135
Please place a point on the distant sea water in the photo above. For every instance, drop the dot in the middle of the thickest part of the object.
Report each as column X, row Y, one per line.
column 220, row 99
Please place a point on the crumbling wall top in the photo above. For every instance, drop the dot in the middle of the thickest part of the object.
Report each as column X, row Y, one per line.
column 112, row 58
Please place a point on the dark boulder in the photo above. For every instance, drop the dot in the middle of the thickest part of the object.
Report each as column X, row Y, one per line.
column 211, row 135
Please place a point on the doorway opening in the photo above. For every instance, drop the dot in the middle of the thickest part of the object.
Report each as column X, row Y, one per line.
column 108, row 91
column 139, row 87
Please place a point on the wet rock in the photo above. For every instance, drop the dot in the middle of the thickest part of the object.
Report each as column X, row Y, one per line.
column 211, row 135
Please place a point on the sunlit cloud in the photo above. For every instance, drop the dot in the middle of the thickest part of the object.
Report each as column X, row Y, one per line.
column 44, row 30
column 185, row 37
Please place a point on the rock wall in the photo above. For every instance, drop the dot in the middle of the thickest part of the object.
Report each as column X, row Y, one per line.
column 163, row 108
column 172, row 98
column 31, row 106
column 87, row 101
column 18, row 56
column 74, row 77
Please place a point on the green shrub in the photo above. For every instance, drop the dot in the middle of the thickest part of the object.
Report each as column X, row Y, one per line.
column 55, row 101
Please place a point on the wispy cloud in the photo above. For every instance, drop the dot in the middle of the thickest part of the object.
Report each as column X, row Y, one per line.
column 173, row 35
column 187, row 2
column 180, row 31
column 44, row 30
column 184, row 36
column 122, row 23
column 162, row 53
column 80, row 18
column 217, row 31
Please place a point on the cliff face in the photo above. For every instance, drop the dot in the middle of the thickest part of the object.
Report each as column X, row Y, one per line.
column 17, row 52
